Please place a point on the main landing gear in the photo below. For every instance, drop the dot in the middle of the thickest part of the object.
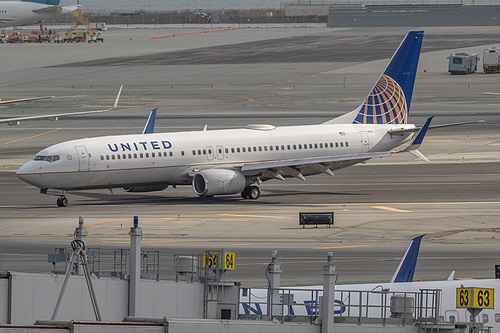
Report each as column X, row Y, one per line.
column 62, row 201
column 251, row 192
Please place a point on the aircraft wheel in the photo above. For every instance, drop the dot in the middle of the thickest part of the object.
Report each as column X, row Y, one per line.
column 62, row 202
column 254, row 192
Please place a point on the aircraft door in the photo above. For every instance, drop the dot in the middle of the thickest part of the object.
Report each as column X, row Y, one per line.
column 220, row 153
column 365, row 142
column 210, row 153
column 83, row 158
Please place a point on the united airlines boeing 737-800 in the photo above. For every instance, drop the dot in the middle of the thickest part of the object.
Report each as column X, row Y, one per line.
column 236, row 161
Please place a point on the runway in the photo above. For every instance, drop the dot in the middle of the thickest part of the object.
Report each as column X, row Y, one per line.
column 378, row 206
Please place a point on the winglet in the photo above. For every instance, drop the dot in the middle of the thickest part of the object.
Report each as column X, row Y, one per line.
column 419, row 138
column 451, row 277
column 406, row 268
column 420, row 135
column 150, row 125
column 118, row 97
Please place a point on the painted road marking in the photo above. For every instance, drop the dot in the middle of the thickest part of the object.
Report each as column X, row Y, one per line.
column 31, row 137
column 392, row 209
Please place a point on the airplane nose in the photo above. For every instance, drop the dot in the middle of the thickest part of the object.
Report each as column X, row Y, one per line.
column 27, row 168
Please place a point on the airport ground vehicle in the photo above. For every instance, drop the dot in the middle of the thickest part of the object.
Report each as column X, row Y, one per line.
column 462, row 63
column 491, row 60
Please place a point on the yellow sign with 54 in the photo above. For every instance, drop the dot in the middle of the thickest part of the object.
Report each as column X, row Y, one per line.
column 478, row 298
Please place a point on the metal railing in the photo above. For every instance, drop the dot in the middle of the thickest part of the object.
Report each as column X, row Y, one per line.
column 349, row 305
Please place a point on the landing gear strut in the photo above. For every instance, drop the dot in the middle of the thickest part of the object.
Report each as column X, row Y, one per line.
column 62, row 201
column 251, row 192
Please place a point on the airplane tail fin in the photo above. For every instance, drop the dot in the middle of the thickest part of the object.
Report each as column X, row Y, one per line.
column 46, row 2
column 406, row 268
column 389, row 100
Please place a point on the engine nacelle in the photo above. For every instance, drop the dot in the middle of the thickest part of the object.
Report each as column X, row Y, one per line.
column 146, row 188
column 218, row 181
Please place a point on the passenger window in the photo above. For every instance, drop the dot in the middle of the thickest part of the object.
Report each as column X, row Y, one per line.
column 199, row 152
column 300, row 146
column 152, row 154
column 271, row 148
column 102, row 158
column 118, row 156
column 129, row 156
column 220, row 151
column 347, row 144
column 141, row 155
column 311, row 145
column 321, row 145
column 135, row 155
column 204, row 151
column 336, row 144
column 112, row 157
column 265, row 148
column 172, row 154
column 341, row 144
column 227, row 150
column 288, row 147
column 243, row 149
column 232, row 150
column 283, row 147
column 182, row 152
column 294, row 147
column 254, row 148
column 210, row 151
column 316, row 146
column 107, row 157
column 331, row 144
column 194, row 152
column 147, row 155
column 238, row 149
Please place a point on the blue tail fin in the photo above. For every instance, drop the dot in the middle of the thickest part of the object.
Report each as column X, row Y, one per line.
column 150, row 125
column 406, row 268
column 46, row 2
column 389, row 101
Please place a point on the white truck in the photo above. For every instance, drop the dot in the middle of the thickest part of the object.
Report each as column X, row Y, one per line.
column 491, row 60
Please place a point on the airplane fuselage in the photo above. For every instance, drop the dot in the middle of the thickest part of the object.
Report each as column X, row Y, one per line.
column 170, row 158
column 13, row 13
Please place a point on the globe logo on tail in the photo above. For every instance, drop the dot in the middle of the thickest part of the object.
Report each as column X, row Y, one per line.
column 386, row 104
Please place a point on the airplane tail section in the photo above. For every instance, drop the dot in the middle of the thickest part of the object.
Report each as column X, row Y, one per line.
column 389, row 100
column 406, row 268
column 46, row 2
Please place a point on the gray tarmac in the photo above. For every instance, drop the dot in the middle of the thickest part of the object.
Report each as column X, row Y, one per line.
column 261, row 75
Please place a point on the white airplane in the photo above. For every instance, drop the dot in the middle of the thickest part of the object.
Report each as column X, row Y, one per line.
column 14, row 13
column 17, row 120
column 236, row 161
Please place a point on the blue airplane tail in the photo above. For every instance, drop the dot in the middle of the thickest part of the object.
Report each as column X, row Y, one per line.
column 389, row 101
column 390, row 98
column 46, row 2
column 406, row 268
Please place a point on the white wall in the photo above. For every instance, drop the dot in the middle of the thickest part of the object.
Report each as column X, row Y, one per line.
column 34, row 297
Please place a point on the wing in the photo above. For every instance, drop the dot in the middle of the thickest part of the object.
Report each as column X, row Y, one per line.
column 18, row 120
column 14, row 101
column 51, row 10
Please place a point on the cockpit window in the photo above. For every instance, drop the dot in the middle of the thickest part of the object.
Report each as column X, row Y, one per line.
column 51, row 158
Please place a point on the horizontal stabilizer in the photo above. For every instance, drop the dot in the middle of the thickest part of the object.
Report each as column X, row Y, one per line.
column 416, row 129
column 406, row 268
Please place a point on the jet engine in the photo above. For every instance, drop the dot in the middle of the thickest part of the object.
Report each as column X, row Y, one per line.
column 218, row 181
column 150, row 188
